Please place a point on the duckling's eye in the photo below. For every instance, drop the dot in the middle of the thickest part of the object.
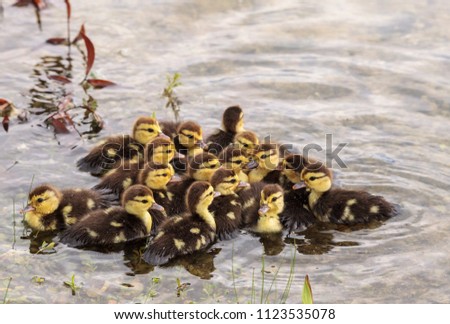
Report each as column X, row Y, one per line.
column 233, row 180
column 212, row 166
column 39, row 200
column 274, row 199
column 264, row 156
column 150, row 130
column 245, row 145
column 237, row 161
column 189, row 136
column 169, row 151
column 164, row 174
column 144, row 201
column 312, row 178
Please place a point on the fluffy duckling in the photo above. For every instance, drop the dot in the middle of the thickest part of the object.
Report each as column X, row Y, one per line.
column 126, row 173
column 246, row 141
column 186, row 234
column 189, row 139
column 266, row 159
column 271, row 205
column 232, row 123
column 227, row 207
column 105, row 155
column 107, row 227
column 157, row 177
column 50, row 208
column 234, row 159
column 296, row 215
column 200, row 168
column 338, row 205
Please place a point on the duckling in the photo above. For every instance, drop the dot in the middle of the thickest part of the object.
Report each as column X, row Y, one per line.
column 169, row 128
column 235, row 159
column 126, row 173
column 120, row 147
column 51, row 209
column 296, row 215
column 271, row 205
column 266, row 158
column 157, row 177
column 338, row 205
column 108, row 227
column 246, row 141
column 186, row 234
column 200, row 168
column 227, row 207
column 232, row 123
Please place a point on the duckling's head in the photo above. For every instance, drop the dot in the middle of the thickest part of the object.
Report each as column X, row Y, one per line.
column 292, row 166
column 317, row 177
column 272, row 200
column 156, row 176
column 199, row 196
column 233, row 119
column 226, row 181
column 190, row 135
column 233, row 158
column 266, row 155
column 145, row 129
column 43, row 200
column 202, row 166
column 160, row 150
column 246, row 140
column 138, row 199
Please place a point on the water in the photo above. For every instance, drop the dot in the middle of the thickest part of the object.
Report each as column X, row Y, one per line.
column 372, row 74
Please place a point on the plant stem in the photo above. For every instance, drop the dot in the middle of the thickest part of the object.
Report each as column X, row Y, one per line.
column 233, row 274
column 262, row 280
column 7, row 289
column 14, row 224
column 253, row 296
column 285, row 295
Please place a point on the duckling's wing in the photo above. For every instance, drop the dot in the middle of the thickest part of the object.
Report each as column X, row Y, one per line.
column 296, row 214
column 227, row 214
column 169, row 128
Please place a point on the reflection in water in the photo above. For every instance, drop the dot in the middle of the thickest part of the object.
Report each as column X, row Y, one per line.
column 39, row 242
column 133, row 259
column 272, row 242
column 199, row 264
column 52, row 97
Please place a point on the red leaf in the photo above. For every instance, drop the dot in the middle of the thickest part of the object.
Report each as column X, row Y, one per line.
column 3, row 101
column 59, row 78
column 90, row 53
column 100, row 84
column 68, row 9
column 59, row 126
column 82, row 31
column 5, row 123
column 56, row 40
column 39, row 4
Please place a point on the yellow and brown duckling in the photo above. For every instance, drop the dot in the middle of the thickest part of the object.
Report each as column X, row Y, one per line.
column 126, row 173
column 338, row 205
column 227, row 207
column 266, row 161
column 108, row 152
column 271, row 205
column 232, row 123
column 51, row 209
column 116, row 225
column 181, row 235
column 297, row 215
column 246, row 141
column 235, row 159
column 199, row 168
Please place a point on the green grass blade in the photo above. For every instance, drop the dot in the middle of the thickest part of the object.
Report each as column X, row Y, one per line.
column 307, row 296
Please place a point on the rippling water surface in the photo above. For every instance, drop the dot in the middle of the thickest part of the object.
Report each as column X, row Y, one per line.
column 373, row 74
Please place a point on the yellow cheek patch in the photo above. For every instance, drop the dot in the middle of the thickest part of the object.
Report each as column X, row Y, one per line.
column 194, row 230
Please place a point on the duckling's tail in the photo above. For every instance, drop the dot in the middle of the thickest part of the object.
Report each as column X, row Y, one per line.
column 95, row 163
column 108, row 198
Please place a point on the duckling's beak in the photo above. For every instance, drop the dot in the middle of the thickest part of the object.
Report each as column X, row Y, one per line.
column 263, row 209
column 156, row 206
column 175, row 178
column 201, row 144
column 27, row 209
column 179, row 156
column 243, row 184
column 162, row 135
column 216, row 194
column 251, row 165
column 299, row 185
